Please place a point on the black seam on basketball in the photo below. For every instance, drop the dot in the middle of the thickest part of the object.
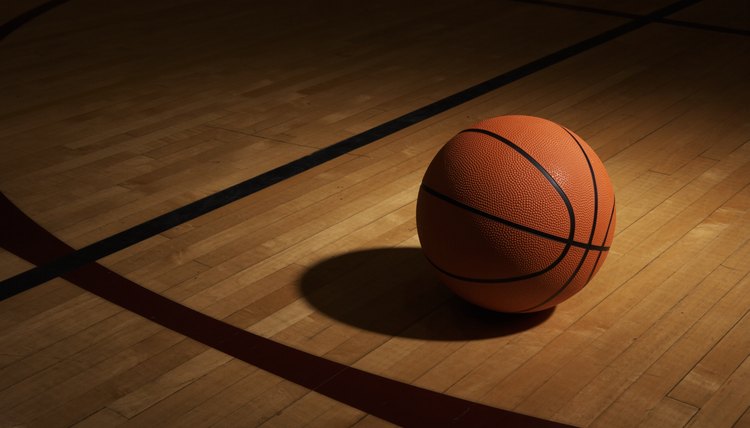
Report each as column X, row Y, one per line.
column 473, row 210
column 538, row 166
column 593, row 227
column 606, row 234
column 492, row 280
column 568, row 242
column 550, row 179
column 509, row 223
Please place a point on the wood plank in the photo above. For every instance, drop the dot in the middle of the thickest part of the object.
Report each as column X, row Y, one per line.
column 658, row 271
column 37, row 300
column 668, row 412
column 193, row 395
column 702, row 382
column 113, row 115
column 234, row 397
column 612, row 381
column 310, row 410
column 263, row 407
column 113, row 378
column 731, row 400
column 744, row 420
column 103, row 418
column 647, row 393
column 168, row 383
column 372, row 422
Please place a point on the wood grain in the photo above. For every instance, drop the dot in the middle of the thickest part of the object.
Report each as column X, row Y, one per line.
column 112, row 115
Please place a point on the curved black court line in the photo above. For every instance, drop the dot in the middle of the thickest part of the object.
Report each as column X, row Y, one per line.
column 396, row 402
column 22, row 19
column 40, row 274
column 591, row 235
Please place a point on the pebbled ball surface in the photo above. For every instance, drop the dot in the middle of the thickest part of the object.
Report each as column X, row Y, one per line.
column 499, row 205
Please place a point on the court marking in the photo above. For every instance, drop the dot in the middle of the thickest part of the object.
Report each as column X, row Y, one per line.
column 119, row 241
column 19, row 21
column 332, row 378
column 666, row 21
column 397, row 402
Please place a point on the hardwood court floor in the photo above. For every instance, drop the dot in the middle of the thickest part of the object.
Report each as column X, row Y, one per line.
column 112, row 114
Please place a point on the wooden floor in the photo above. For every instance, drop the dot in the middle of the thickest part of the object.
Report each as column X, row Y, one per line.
column 112, row 113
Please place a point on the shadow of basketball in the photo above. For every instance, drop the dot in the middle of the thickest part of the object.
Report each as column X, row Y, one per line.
column 393, row 291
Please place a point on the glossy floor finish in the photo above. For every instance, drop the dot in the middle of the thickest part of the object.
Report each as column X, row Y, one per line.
column 120, row 123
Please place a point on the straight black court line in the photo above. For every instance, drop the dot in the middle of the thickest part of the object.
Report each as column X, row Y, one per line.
column 164, row 222
column 609, row 12
column 706, row 27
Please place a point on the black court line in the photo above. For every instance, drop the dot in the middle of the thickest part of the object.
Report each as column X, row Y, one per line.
column 164, row 222
column 397, row 402
column 706, row 27
column 581, row 8
column 609, row 12
column 21, row 20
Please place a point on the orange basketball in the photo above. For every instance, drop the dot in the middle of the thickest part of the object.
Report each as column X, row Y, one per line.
column 516, row 214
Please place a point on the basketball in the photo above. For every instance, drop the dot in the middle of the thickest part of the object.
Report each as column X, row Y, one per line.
column 516, row 214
